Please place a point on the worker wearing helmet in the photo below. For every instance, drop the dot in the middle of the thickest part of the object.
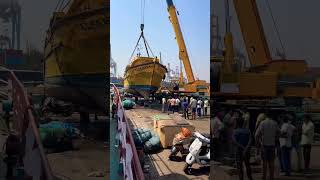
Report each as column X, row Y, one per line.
column 183, row 137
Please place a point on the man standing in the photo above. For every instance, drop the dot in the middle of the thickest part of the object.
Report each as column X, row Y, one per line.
column 296, row 137
column 193, row 105
column 173, row 104
column 286, row 144
column 307, row 140
column 261, row 117
column 278, row 145
column 202, row 106
column 177, row 104
column 169, row 105
column 246, row 118
column 199, row 103
column 216, row 127
column 185, row 107
column 227, row 117
column 229, row 125
column 267, row 134
column 206, row 105
column 164, row 101
column 242, row 138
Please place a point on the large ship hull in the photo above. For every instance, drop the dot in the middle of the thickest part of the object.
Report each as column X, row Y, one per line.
column 84, row 91
column 144, row 76
column 76, row 55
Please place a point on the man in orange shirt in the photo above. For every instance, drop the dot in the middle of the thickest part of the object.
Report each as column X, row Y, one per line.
column 178, row 141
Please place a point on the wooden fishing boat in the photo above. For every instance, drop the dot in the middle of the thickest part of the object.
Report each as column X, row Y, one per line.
column 143, row 76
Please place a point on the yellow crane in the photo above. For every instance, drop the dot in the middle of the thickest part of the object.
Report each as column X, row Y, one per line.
column 266, row 78
column 193, row 85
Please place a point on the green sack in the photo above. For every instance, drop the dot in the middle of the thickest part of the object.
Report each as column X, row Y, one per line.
column 137, row 139
column 145, row 136
column 152, row 145
column 7, row 106
column 128, row 104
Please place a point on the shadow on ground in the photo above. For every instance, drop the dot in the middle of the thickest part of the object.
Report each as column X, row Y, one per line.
column 174, row 176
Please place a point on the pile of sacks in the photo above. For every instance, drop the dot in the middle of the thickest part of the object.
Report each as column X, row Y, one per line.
column 128, row 104
column 146, row 139
column 56, row 133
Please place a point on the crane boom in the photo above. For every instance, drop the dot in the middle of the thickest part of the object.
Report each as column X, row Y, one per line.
column 252, row 32
column 183, row 54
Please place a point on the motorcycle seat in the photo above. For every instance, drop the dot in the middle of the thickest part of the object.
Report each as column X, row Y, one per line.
column 206, row 135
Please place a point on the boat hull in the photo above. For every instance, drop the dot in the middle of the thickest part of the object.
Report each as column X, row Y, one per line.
column 76, row 55
column 144, row 78
column 84, row 91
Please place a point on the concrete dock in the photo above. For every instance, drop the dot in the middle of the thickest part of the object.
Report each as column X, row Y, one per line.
column 90, row 160
column 160, row 166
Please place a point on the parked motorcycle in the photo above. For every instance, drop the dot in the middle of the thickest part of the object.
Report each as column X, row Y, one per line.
column 199, row 152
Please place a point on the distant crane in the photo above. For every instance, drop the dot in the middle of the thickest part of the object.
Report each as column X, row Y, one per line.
column 10, row 13
column 113, row 66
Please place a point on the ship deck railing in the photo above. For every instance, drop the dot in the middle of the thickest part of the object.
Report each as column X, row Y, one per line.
column 25, row 126
column 136, row 169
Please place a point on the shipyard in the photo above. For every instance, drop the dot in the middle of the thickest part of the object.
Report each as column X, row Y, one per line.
column 219, row 89
column 54, row 123
column 159, row 91
column 264, row 123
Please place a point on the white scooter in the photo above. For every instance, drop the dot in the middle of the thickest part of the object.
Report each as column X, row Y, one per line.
column 199, row 152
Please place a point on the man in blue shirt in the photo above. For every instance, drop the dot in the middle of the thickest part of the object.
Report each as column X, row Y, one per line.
column 242, row 139
column 185, row 106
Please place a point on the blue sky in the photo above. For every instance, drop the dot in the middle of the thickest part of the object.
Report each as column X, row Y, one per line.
column 194, row 20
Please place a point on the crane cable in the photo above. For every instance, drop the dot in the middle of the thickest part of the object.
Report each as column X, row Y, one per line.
column 61, row 5
column 146, row 44
column 143, row 5
column 276, row 28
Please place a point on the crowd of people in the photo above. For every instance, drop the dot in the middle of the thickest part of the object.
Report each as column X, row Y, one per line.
column 272, row 135
column 197, row 107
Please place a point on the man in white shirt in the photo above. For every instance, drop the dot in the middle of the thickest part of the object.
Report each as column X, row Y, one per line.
column 164, row 101
column 199, row 103
column 287, row 130
column 307, row 140
column 177, row 104
column 206, row 105
column 267, row 133
column 173, row 104
column 193, row 105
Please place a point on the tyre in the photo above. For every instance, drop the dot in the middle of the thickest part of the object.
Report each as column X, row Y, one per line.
column 187, row 169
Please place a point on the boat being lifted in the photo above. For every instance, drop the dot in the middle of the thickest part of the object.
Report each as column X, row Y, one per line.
column 143, row 76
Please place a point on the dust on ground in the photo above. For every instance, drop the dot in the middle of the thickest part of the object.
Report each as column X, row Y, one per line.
column 90, row 160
